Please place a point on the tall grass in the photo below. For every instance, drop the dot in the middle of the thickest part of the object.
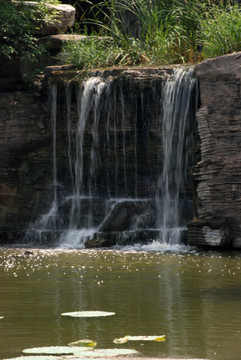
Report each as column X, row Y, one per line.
column 221, row 31
column 157, row 32
column 91, row 52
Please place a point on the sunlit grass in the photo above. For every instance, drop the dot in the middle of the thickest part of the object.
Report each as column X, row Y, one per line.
column 153, row 32
column 221, row 31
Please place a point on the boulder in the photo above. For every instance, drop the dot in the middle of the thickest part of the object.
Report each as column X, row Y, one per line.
column 129, row 215
column 212, row 233
column 64, row 18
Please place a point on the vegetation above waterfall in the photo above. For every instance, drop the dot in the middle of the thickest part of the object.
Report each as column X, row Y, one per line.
column 18, row 26
column 127, row 32
column 153, row 32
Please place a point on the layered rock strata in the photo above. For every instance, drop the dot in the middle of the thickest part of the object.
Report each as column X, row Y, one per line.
column 217, row 174
column 26, row 168
column 25, row 163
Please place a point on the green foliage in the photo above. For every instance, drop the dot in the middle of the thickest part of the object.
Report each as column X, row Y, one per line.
column 134, row 31
column 156, row 32
column 17, row 27
column 221, row 31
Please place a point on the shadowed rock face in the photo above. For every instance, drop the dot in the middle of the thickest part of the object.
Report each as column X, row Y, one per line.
column 129, row 215
column 218, row 173
column 25, row 163
column 26, row 167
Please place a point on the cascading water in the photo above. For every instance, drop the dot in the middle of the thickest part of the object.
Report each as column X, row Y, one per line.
column 114, row 154
column 177, row 133
column 89, row 103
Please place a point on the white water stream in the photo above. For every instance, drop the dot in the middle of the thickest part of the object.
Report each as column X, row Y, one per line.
column 177, row 134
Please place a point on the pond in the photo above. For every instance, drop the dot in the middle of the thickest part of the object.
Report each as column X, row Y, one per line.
column 194, row 298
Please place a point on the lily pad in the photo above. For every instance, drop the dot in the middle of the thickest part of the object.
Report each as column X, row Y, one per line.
column 83, row 342
column 55, row 350
column 104, row 353
column 88, row 313
column 126, row 338
column 35, row 357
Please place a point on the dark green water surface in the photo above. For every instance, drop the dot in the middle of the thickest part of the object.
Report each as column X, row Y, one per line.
column 192, row 298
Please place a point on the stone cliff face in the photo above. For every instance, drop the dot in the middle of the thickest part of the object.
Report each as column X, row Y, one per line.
column 25, row 162
column 26, row 168
column 217, row 174
column 26, row 189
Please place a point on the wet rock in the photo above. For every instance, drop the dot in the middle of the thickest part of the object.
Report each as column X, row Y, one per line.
column 28, row 253
column 129, row 215
column 128, row 222
column 212, row 233
column 100, row 241
column 49, row 70
column 26, row 167
column 123, row 238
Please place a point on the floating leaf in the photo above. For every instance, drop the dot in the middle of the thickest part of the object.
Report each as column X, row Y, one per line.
column 140, row 338
column 35, row 357
column 103, row 353
column 77, row 354
column 83, row 342
column 88, row 313
column 55, row 350
column 122, row 340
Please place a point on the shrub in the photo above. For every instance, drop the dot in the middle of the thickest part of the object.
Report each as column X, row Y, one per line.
column 17, row 27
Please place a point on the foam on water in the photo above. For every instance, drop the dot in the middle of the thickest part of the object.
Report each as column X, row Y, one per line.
column 75, row 239
column 157, row 246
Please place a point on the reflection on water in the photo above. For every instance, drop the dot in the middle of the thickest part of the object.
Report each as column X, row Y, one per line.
column 195, row 299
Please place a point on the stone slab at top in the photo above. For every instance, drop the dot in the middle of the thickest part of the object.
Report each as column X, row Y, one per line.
column 55, row 42
column 221, row 65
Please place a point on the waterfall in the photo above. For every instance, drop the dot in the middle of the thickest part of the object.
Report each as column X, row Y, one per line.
column 68, row 94
column 88, row 100
column 117, row 141
column 177, row 132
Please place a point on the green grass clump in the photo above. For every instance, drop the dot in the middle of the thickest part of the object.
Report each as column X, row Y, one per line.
column 95, row 52
column 156, row 32
column 89, row 53
column 221, row 31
